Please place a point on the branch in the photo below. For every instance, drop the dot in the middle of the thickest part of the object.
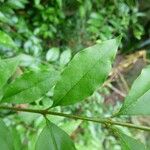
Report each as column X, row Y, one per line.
column 99, row 120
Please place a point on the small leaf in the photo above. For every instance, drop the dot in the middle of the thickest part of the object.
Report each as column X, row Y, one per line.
column 54, row 138
column 52, row 54
column 6, row 142
column 137, row 102
column 129, row 143
column 65, row 57
column 85, row 72
column 27, row 60
column 5, row 40
column 7, row 68
column 30, row 87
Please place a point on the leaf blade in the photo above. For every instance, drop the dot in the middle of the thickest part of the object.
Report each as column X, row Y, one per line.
column 30, row 87
column 6, row 141
column 82, row 71
column 52, row 137
column 53, row 54
column 6, row 40
column 7, row 68
column 65, row 57
column 137, row 101
column 129, row 143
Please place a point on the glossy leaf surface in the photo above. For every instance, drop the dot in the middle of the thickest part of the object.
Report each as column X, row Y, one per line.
column 85, row 73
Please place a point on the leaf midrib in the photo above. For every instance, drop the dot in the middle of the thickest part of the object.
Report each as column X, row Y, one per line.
column 53, row 136
column 124, row 141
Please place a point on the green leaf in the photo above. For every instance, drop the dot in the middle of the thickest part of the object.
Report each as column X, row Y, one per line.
column 85, row 72
column 16, row 139
column 6, row 142
column 30, row 87
column 54, row 138
column 5, row 40
column 65, row 57
column 128, row 143
column 52, row 54
column 137, row 102
column 7, row 68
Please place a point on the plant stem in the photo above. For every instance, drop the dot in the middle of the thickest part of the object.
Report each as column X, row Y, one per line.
column 98, row 120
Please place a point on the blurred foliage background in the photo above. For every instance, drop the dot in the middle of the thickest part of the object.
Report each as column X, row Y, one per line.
column 49, row 32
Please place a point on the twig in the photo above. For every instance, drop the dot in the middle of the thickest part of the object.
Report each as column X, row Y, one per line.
column 116, row 90
column 99, row 120
column 123, row 81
